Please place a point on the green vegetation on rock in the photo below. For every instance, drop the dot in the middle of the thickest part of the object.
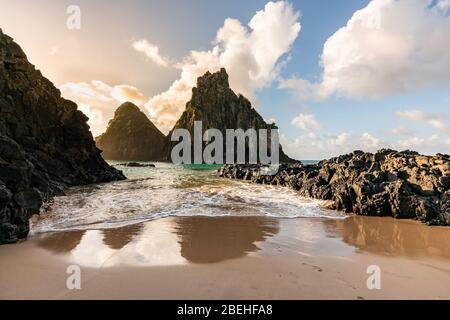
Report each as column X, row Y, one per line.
column 131, row 136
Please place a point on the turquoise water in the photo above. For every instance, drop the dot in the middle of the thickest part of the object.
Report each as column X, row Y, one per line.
column 170, row 190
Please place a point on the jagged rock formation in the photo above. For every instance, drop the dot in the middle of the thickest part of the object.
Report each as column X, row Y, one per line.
column 217, row 106
column 387, row 183
column 45, row 143
column 131, row 136
column 135, row 165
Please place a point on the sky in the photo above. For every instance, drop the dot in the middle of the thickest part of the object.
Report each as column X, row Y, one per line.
column 335, row 76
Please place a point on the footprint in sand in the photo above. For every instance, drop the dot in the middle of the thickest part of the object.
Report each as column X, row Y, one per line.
column 318, row 269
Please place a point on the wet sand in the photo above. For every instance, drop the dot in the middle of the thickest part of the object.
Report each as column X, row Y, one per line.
column 234, row 258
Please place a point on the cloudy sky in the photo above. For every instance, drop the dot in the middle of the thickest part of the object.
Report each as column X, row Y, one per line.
column 334, row 75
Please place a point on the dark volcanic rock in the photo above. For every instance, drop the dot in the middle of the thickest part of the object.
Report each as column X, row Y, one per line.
column 387, row 183
column 131, row 136
column 218, row 107
column 136, row 165
column 45, row 143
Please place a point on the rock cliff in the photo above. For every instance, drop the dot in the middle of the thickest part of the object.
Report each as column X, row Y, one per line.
column 217, row 106
column 45, row 143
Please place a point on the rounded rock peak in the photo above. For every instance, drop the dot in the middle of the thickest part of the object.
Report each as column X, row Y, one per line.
column 127, row 107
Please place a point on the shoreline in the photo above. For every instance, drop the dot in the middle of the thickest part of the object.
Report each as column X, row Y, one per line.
column 234, row 258
column 401, row 184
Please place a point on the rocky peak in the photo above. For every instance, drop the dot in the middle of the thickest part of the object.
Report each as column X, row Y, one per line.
column 131, row 136
column 212, row 82
column 130, row 115
column 217, row 106
column 128, row 109
column 213, row 91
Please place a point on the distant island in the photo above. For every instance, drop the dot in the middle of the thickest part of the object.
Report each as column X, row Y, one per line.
column 131, row 136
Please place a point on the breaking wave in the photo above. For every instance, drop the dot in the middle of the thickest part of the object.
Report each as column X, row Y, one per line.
column 169, row 190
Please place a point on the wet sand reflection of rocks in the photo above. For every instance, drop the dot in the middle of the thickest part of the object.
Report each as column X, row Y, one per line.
column 60, row 243
column 210, row 240
column 118, row 238
column 195, row 239
column 66, row 242
column 392, row 237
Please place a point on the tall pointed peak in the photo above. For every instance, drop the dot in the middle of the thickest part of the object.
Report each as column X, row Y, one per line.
column 215, row 80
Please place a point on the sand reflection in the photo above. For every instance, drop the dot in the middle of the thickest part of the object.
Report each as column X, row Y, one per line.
column 392, row 237
column 118, row 238
column 210, row 240
column 60, row 243
column 163, row 242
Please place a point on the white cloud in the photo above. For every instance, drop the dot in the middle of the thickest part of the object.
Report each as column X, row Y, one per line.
column 437, row 121
column 439, row 124
column 166, row 108
column 124, row 93
column 306, row 122
column 315, row 146
column 151, row 51
column 410, row 143
column 341, row 140
column 401, row 131
column 99, row 100
column 415, row 143
column 443, row 6
column 302, row 89
column 95, row 116
column 388, row 47
column 251, row 54
column 414, row 115
column 369, row 142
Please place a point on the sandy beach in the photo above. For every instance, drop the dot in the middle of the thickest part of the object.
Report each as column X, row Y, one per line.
column 234, row 258
column 227, row 150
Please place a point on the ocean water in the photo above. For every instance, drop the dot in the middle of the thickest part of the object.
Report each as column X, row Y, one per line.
column 170, row 190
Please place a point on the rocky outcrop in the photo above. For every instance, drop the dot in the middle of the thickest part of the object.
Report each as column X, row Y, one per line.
column 131, row 136
column 136, row 165
column 387, row 183
column 218, row 107
column 45, row 143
